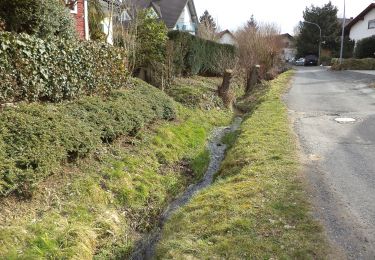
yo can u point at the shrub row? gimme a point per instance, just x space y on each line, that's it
34 69
365 48
354 64
36 139
193 55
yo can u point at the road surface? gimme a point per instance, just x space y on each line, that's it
339 158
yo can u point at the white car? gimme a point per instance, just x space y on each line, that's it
300 62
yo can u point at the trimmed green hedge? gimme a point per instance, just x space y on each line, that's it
193 55
34 69
354 64
36 139
365 48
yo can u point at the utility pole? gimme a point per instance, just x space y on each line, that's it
320 38
342 34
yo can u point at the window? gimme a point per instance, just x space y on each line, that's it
371 24
72 5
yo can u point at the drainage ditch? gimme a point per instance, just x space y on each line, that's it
145 249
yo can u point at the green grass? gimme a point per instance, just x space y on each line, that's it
257 208
98 207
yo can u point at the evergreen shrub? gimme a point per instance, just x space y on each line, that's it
54 69
365 48
41 18
193 55
37 139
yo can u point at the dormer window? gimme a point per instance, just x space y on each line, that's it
72 5
371 24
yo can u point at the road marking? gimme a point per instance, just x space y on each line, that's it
345 120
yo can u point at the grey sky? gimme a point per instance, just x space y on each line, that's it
286 13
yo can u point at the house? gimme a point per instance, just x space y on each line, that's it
80 12
177 14
363 25
288 44
226 37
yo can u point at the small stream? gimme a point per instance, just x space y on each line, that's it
145 249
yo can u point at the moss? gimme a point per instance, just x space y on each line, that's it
256 208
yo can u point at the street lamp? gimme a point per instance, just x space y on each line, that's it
320 37
342 35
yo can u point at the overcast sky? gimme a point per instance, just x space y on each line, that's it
285 13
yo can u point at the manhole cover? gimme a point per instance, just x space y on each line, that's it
345 120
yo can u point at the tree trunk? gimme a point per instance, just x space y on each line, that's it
252 79
224 88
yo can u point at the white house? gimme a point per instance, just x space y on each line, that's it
363 25
289 49
177 14
226 37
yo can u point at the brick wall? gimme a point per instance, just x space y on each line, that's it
80 19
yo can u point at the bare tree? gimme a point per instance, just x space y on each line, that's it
258 45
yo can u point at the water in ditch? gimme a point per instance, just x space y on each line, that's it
145 249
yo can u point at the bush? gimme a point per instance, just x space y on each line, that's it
192 55
151 39
365 48
354 64
36 139
326 60
41 18
33 69
124 112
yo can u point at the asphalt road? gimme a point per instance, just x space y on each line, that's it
339 158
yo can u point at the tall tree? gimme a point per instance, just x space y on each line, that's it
207 28
252 23
326 18
207 20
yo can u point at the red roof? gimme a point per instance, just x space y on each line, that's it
360 17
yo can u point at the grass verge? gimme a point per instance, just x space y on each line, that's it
257 208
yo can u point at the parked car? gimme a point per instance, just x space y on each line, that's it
300 62
311 60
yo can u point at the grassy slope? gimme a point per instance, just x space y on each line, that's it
257 208
99 207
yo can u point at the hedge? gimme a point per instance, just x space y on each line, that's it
193 55
34 69
354 64
365 48
38 17
37 139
